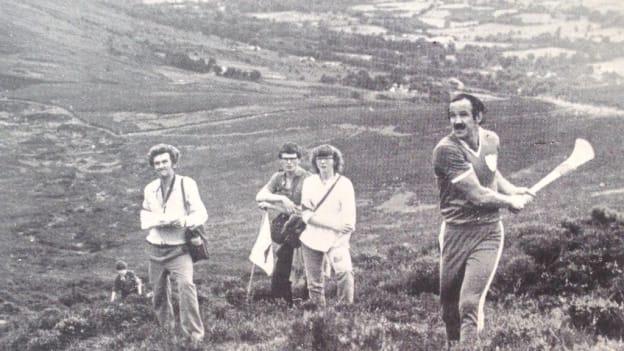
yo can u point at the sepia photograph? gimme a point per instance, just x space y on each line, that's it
294 175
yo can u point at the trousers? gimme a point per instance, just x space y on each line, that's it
340 260
280 280
468 261
181 268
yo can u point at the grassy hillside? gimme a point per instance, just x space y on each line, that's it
84 95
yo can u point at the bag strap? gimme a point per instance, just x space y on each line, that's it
327 193
184 196
186 207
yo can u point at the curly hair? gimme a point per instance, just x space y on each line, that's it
328 150
160 149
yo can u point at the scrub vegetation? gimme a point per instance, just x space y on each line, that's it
79 110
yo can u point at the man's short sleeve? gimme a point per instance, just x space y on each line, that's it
450 163
274 183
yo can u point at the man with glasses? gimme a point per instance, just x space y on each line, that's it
283 192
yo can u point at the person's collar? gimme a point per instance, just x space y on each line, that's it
300 171
479 142
160 182
330 180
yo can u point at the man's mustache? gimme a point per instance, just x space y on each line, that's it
459 126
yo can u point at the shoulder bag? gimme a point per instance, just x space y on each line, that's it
197 252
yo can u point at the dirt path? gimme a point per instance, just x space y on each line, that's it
239 118
70 113
592 110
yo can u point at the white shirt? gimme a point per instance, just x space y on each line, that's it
338 207
154 209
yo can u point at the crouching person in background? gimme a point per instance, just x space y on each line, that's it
166 217
283 193
328 202
126 282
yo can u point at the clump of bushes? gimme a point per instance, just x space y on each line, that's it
118 317
48 318
236 297
521 330
575 258
597 315
606 216
44 340
74 297
39 334
75 327
516 274
421 277
329 330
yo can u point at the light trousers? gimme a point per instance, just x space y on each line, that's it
181 268
339 258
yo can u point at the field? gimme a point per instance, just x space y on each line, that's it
75 130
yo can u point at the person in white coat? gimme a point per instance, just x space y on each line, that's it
165 216
329 227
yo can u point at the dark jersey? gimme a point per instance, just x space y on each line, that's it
453 160
127 284
277 185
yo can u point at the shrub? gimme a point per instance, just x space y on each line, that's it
9 308
44 340
328 330
220 310
423 277
522 328
598 315
74 327
577 257
74 297
48 318
220 332
248 332
616 290
605 216
516 275
415 337
328 79
236 297
222 286
117 317
367 261
544 248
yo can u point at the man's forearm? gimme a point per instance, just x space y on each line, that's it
505 186
319 221
265 195
489 198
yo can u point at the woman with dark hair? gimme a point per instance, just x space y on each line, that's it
328 202
283 192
